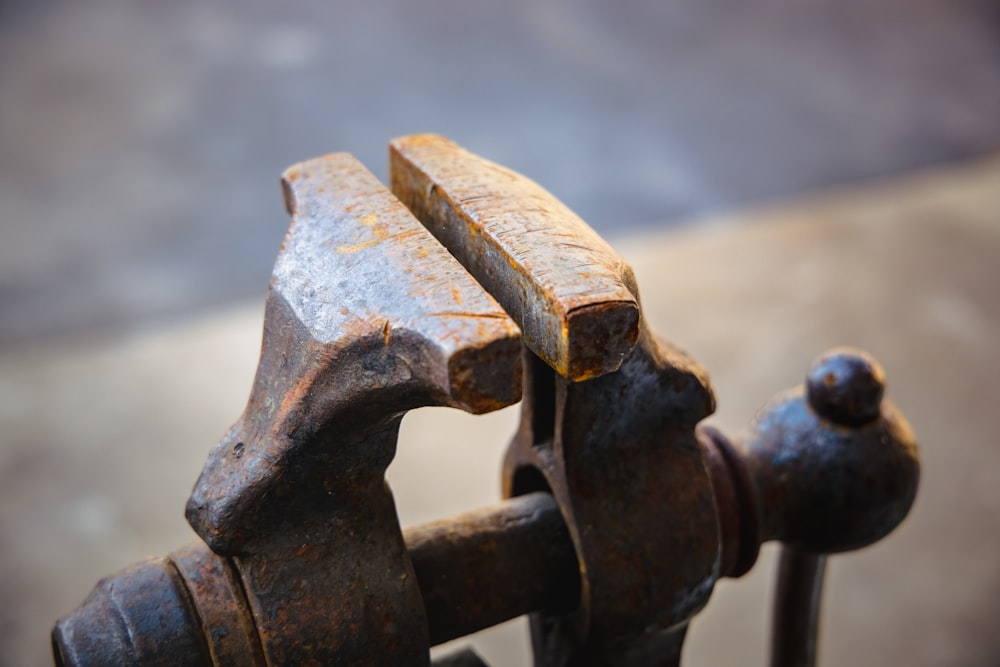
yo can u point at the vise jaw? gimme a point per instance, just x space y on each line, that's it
468 285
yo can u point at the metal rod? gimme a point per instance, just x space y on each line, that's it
796 608
494 564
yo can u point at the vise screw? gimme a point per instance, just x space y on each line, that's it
468 285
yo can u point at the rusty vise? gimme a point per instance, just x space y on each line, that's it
468 285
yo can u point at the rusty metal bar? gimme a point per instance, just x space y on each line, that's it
574 297
494 564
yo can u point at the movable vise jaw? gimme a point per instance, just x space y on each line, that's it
469 285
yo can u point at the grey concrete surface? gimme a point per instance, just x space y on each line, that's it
103 439
140 142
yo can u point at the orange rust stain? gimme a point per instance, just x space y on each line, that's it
491 316
355 247
379 232
456 294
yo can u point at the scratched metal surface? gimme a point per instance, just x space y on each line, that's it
354 328
367 317
574 296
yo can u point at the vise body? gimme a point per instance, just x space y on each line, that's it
467 285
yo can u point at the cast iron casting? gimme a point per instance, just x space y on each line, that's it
468 285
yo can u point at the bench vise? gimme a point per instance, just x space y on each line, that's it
468 285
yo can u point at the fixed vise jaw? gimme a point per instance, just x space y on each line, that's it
467 286
296 492
367 317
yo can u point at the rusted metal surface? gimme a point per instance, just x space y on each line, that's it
367 318
828 467
486 567
574 297
835 466
139 616
735 500
473 571
611 469
214 588
622 511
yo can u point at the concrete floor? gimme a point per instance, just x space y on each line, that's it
140 145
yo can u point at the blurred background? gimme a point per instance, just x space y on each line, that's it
140 148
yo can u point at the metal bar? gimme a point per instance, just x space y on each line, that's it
796 608
574 297
494 564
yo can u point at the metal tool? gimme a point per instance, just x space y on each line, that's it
621 512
